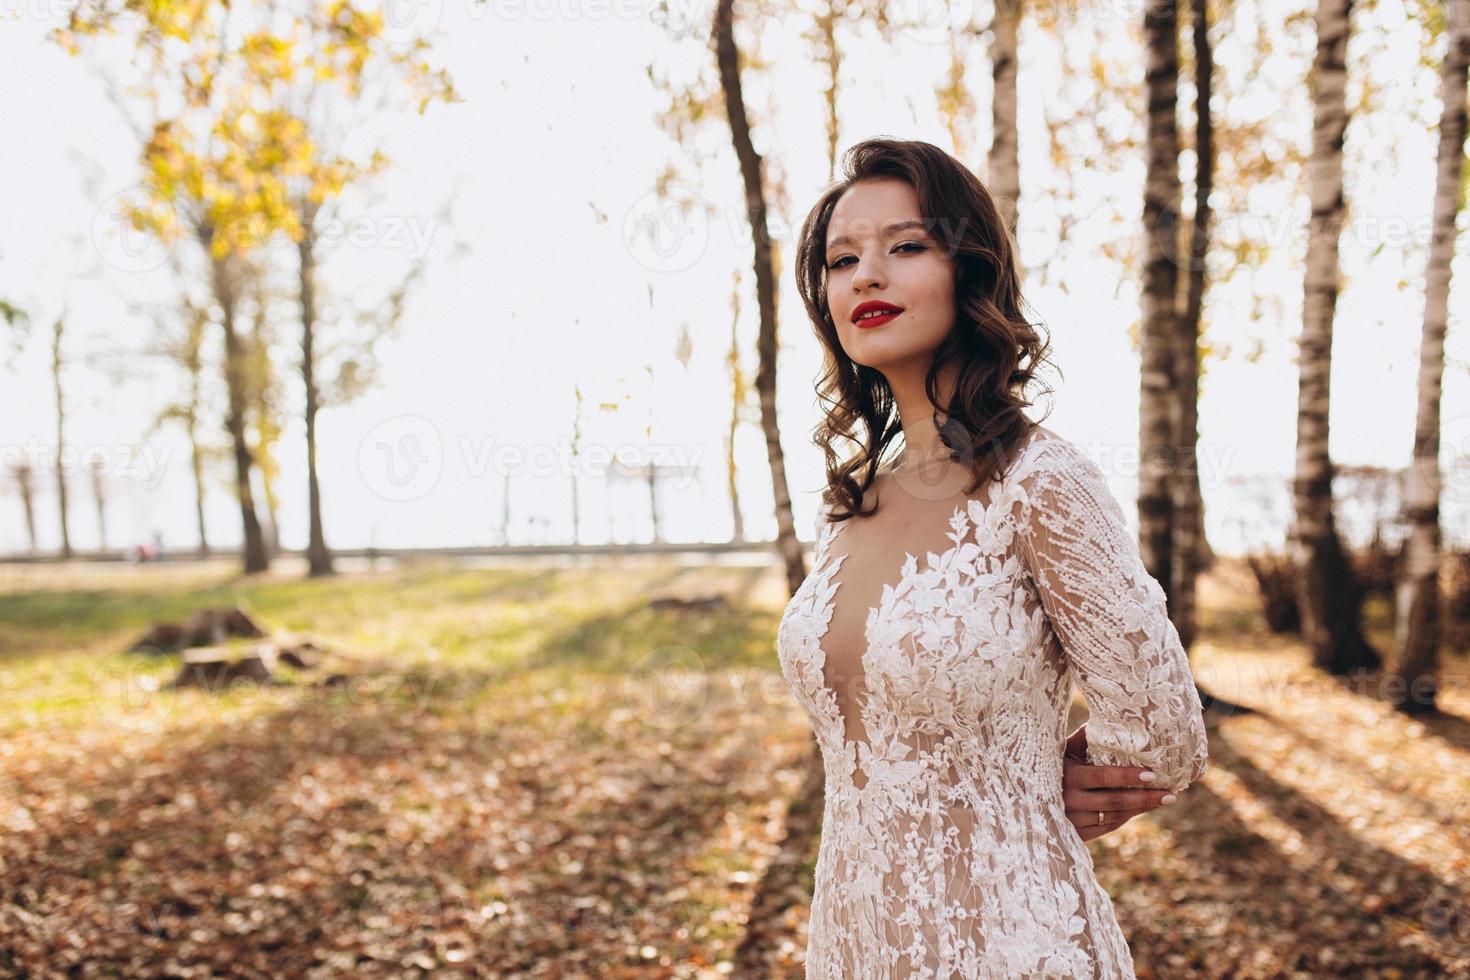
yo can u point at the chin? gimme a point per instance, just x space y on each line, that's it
876 353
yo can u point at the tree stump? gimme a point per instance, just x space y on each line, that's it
161 638
208 627
204 627
216 668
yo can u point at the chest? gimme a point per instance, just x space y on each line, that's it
916 624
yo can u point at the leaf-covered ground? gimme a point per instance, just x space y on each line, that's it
547 778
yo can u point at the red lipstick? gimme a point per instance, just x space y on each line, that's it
884 313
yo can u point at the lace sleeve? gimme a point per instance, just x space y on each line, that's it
1111 618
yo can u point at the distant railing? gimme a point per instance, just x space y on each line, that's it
467 551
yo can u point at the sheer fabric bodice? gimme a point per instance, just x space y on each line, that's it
938 693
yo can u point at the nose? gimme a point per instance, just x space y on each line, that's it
868 274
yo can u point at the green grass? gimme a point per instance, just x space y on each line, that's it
451 633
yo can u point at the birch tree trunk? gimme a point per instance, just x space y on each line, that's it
1157 436
1188 530
1005 167
1419 599
1330 601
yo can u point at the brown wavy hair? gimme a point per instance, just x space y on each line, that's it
996 349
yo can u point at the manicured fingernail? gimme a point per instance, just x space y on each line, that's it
1168 798
1147 776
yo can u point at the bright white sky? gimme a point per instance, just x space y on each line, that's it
556 131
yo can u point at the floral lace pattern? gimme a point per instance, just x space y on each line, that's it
953 856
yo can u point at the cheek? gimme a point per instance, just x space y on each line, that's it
839 305
938 291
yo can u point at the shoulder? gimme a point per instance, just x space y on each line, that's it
1056 476
1047 457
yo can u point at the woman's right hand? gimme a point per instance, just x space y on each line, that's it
1117 792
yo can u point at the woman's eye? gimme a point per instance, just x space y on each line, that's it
837 264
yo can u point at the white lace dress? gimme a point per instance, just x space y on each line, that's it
945 849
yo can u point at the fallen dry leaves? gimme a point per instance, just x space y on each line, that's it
574 821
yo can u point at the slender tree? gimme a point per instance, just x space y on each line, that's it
177 342
58 364
826 49
1005 164
24 478
1157 434
728 57
328 120
1419 596
189 411
17 322
99 496
266 399
318 556
1327 592
1188 504
739 400
576 453
227 280
304 217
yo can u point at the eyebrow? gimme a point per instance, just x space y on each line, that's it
896 226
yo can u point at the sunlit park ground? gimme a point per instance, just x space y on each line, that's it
531 771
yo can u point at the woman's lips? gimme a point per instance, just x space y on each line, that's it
876 321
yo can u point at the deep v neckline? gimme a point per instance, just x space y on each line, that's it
852 749
890 588
829 565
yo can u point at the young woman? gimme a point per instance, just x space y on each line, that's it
938 687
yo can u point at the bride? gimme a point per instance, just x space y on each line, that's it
935 643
